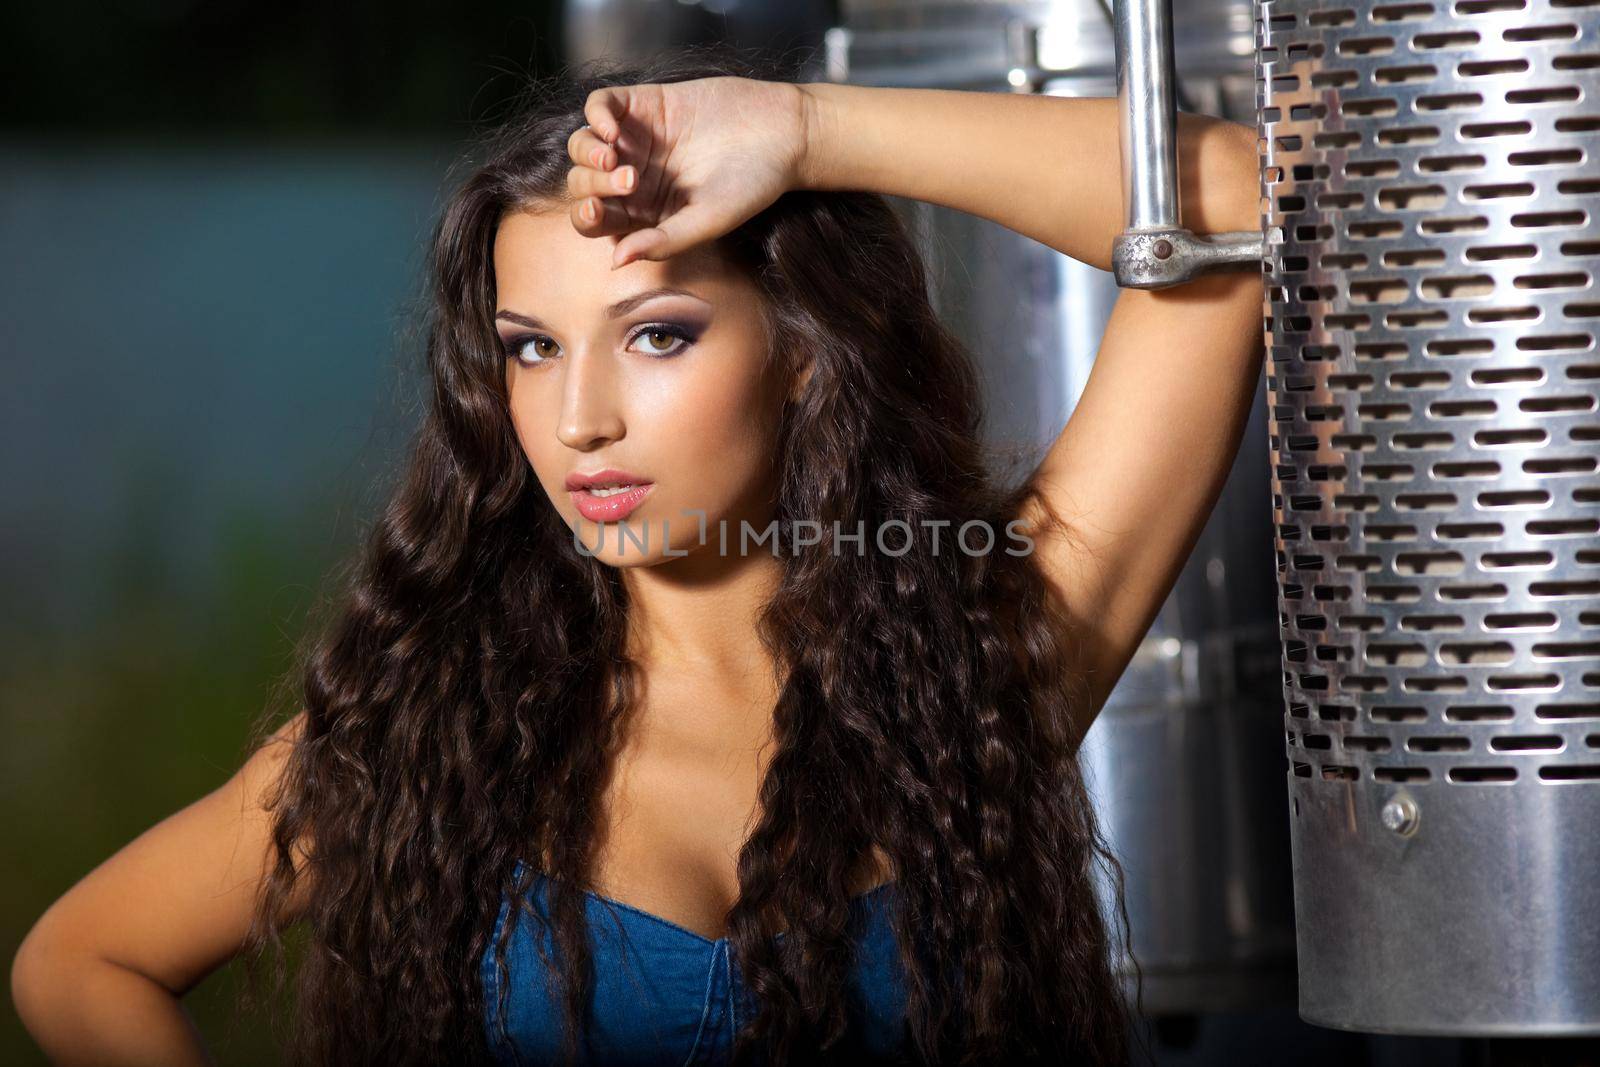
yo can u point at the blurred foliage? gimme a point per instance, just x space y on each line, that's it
145 711
175 66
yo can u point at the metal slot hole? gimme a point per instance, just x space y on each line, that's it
1412 197
1495 129
1449 102
1478 68
1520 682
1445 164
1516 561
1419 72
1545 157
1571 772
1567 711
1464 409
1336 712
1391 533
1564 528
1393 594
1401 774
1524 313
1460 346
1401 12
1413 257
1483 774
1319 741
1433 623
1490 591
1484 7
1438 744
1557 650
1374 229
1414 320
1396 655
1489 253
1508 376
1470 531
1554 342
1409 135
1397 713
1524 436
1560 464
1339 772
1332 17
1531 620
1529 220
1371 168
1566 280
1380 290
1386 472
1457 287
1497 191
1424 442
1477 654
1513 499
1457 39
1364 683
1580 61
1334 79
1527 743
1453 683
1593 740
1429 563
1477 713
1367 744
1365 46
1301 770
1566 31
1550 590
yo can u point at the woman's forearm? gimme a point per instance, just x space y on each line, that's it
1048 167
82 1011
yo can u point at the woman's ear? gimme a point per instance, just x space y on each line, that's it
801 380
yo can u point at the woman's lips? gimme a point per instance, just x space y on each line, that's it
612 508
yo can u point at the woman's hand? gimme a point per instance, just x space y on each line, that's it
666 166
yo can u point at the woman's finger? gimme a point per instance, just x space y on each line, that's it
593 217
586 181
673 234
603 110
587 150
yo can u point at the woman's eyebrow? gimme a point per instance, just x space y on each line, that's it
617 310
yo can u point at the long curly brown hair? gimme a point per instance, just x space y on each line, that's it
466 697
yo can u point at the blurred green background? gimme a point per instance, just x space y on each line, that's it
214 218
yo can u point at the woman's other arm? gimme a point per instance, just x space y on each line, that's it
100 977
1143 457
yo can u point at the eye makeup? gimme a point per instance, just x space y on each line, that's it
515 346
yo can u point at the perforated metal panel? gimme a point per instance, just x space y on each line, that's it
1431 181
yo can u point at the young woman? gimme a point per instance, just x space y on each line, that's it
718 786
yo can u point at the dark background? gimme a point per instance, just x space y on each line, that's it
213 217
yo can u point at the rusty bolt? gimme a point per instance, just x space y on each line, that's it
1162 248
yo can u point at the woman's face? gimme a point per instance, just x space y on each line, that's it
673 389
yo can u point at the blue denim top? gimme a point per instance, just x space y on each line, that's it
667 995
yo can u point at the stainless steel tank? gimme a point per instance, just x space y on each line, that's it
1432 201
1186 766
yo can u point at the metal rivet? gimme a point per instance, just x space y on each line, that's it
1162 248
1400 814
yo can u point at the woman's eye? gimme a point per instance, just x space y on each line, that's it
527 350
660 340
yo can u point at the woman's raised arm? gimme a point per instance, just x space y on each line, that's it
100 977
1143 457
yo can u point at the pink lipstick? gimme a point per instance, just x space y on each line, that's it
607 495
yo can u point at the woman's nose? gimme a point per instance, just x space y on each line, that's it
589 413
